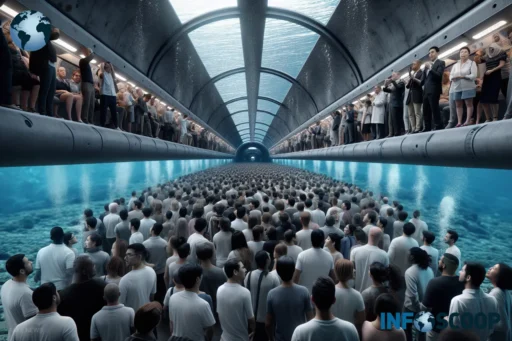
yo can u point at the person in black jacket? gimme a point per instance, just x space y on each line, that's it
336 121
42 64
349 128
432 88
396 110
415 97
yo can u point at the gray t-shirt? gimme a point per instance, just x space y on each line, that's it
100 260
122 230
222 242
172 270
17 303
293 251
156 248
213 278
304 238
369 296
288 306
313 263
268 283
234 307
46 327
112 323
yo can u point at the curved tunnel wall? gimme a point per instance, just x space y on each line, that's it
243 151
32 139
483 146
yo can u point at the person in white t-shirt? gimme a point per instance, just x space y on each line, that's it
304 236
325 326
451 238
314 262
15 294
138 286
364 256
110 221
349 305
47 325
428 239
293 250
234 305
197 238
54 263
190 316
420 226
108 91
114 322
146 223
400 247
136 236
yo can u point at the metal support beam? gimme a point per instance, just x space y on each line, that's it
285 124
252 24
31 140
482 146
280 133
270 71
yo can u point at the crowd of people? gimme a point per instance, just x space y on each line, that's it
251 252
431 96
34 82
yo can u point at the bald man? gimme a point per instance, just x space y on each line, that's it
114 322
365 255
110 221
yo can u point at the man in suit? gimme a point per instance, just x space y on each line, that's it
432 88
396 103
415 97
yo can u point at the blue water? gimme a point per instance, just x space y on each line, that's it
474 202
37 198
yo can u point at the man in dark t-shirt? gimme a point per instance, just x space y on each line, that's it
87 86
441 290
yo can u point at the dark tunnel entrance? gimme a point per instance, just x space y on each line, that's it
252 152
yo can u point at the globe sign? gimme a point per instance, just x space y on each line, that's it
424 321
30 30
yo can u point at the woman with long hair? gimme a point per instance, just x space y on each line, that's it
380 274
417 277
371 330
63 92
172 250
119 248
240 250
500 276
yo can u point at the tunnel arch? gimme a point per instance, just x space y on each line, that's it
256 149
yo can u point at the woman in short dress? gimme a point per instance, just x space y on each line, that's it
463 88
494 60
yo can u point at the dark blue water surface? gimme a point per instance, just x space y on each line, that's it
474 202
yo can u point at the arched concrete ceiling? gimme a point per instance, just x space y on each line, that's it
349 42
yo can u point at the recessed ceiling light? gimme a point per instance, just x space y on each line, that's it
489 29
65 45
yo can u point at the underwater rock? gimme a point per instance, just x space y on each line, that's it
26 223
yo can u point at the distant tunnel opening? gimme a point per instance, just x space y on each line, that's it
252 152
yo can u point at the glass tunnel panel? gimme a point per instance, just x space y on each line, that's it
237 106
260 126
268 106
219 45
240 118
243 126
286 46
264 118
186 9
232 87
320 10
273 87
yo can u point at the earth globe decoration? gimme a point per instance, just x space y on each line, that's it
424 321
30 30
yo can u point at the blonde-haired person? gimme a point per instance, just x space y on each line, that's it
63 92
